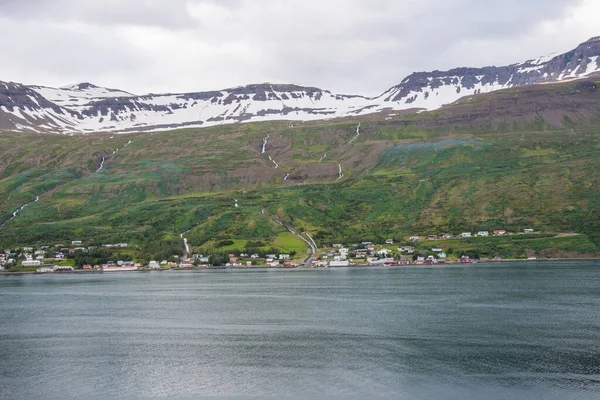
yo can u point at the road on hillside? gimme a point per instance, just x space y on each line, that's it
311 243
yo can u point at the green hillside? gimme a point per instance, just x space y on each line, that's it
510 160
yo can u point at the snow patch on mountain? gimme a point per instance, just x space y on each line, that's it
87 108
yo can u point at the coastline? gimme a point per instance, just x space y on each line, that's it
262 267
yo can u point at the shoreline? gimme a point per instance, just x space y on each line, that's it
261 267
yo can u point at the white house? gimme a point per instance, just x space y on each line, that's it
466 234
153 265
344 253
29 262
414 238
528 230
483 233
389 241
284 256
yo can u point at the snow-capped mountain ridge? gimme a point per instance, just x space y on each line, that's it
85 107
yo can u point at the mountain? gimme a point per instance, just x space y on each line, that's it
516 158
86 108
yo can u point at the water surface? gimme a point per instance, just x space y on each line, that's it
503 331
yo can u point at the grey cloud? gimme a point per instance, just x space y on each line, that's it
169 14
350 46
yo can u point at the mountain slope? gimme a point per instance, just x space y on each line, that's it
516 158
86 108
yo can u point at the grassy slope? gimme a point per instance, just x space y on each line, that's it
511 160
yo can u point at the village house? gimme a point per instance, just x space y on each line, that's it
153 265
360 253
466 235
344 253
29 262
448 236
284 256
528 230
389 241
414 238
432 237
499 232
437 250
407 249
483 233
254 256
76 242
337 246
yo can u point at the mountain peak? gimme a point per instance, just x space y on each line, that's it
80 86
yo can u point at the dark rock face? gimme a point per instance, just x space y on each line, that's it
20 96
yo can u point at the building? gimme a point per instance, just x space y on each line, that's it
466 235
432 237
344 253
483 233
414 239
389 241
528 230
448 236
29 262
340 263
499 232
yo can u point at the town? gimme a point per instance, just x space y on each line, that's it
414 250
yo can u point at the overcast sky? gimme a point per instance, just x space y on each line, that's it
347 46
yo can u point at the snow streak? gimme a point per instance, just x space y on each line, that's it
357 134
113 153
264 147
37 198
324 156
276 165
101 165
340 173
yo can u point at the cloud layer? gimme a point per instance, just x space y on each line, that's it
348 46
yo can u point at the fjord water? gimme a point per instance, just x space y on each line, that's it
503 331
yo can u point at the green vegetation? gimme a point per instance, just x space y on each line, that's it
453 170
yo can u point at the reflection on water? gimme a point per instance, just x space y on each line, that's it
527 331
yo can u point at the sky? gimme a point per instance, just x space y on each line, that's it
346 46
